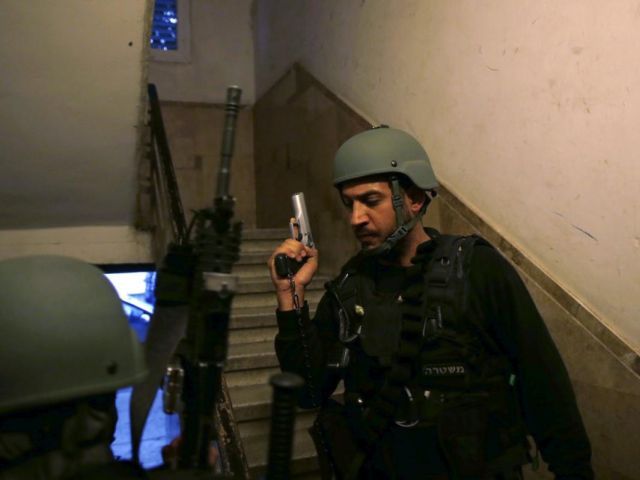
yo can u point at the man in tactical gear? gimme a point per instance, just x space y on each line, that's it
446 362
66 349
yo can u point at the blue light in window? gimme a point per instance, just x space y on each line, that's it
164 32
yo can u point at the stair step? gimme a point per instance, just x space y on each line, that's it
251 270
245 356
241 378
268 299
252 317
264 284
257 317
259 427
303 456
263 239
265 233
252 402
249 335
254 257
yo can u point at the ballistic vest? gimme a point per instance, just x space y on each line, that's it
417 360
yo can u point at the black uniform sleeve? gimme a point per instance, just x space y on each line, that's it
550 411
302 346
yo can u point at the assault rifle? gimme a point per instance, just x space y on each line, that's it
194 291
204 349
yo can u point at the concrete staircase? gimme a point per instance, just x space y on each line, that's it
252 359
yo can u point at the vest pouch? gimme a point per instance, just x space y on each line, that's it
462 433
338 356
381 326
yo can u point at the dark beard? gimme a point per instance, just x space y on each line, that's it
392 256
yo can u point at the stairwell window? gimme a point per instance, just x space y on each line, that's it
170 31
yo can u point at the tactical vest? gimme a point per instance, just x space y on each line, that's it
415 358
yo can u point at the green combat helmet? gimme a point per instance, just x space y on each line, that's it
64 333
386 151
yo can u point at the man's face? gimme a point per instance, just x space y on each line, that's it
370 210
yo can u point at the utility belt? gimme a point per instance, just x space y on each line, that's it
423 407
473 443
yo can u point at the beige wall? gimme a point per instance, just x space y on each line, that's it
194 132
527 108
221 55
70 108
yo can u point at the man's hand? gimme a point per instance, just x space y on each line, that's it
301 253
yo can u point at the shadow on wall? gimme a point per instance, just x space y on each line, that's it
298 127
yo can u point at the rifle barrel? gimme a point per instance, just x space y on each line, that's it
232 106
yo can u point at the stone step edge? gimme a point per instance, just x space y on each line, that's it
264 285
265 233
303 459
260 355
263 401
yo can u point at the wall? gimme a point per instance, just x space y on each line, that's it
298 122
221 55
70 108
194 132
527 108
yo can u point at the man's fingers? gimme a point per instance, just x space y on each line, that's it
294 228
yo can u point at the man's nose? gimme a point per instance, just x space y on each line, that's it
358 215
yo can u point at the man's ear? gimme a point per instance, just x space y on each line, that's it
416 197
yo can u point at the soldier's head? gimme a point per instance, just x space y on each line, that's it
65 348
385 180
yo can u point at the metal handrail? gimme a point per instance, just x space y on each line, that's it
162 165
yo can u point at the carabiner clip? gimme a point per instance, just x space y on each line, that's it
406 423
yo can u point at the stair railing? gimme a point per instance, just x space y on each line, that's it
165 192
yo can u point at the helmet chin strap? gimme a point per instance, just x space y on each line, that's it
403 226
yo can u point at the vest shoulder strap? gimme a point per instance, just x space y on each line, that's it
445 280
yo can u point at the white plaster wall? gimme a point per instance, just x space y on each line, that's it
71 83
528 108
221 55
93 244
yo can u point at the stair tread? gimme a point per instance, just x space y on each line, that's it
251 395
265 233
250 257
264 284
303 456
246 312
250 349
259 394
242 312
